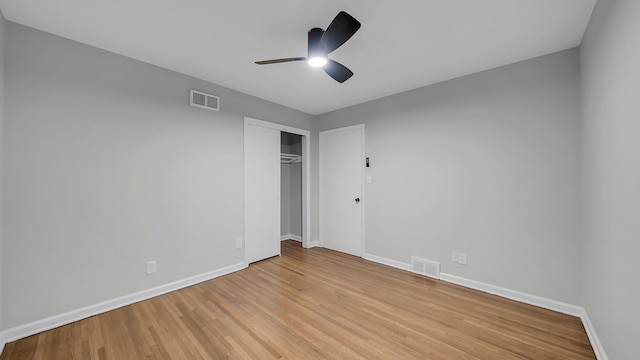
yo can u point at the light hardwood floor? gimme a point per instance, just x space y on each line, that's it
316 304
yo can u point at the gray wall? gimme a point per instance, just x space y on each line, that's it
611 91
488 165
108 167
2 26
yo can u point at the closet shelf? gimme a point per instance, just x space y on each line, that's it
289 158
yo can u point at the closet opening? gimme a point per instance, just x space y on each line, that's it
290 186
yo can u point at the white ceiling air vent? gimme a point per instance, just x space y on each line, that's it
425 267
205 101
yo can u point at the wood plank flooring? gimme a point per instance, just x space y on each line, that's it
316 304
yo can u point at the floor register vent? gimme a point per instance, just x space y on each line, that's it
204 100
425 267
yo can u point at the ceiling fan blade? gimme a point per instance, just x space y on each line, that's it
337 71
339 31
276 61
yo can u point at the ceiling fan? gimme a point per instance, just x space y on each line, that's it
322 42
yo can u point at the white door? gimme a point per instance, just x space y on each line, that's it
262 192
341 203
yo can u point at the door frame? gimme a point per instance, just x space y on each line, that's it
306 173
363 200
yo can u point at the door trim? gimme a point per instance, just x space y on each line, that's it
306 172
362 187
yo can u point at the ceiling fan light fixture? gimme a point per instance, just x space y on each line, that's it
321 43
317 61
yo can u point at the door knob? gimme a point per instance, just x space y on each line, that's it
357 200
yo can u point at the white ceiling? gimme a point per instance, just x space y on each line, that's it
402 45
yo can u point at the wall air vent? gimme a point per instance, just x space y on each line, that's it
425 267
204 101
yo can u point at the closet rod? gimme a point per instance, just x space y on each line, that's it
289 158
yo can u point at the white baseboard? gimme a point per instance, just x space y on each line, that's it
313 244
38 326
593 337
534 300
384 261
291 237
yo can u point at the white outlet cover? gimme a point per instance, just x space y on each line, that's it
462 259
239 243
151 267
455 257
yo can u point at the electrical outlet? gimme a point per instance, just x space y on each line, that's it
459 258
151 267
239 243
